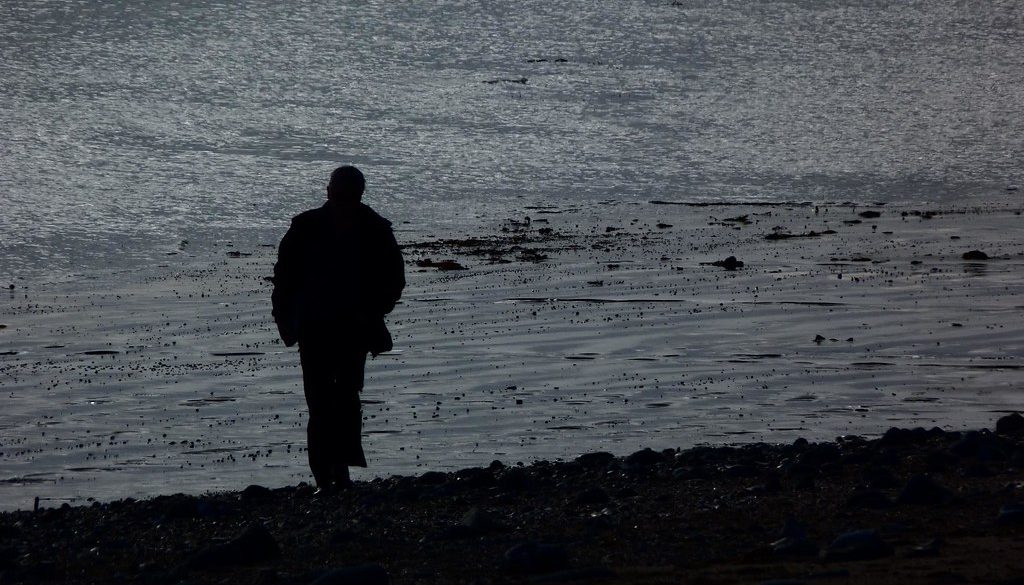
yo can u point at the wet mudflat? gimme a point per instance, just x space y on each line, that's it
560 331
914 506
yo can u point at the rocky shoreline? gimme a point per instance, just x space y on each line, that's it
914 506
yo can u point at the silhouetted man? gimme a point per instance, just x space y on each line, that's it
338 272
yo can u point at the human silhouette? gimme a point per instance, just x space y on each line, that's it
339 271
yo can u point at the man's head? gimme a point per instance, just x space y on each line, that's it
346 185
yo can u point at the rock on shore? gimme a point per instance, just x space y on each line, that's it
851 509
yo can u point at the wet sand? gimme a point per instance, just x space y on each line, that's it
576 330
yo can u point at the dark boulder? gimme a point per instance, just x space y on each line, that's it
730 263
474 477
1011 424
255 492
514 479
859 545
896 436
597 459
592 496
475 522
433 478
532 558
576 575
255 545
645 458
355 575
869 499
922 490
1011 515
880 478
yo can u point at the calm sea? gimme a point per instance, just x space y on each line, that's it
130 129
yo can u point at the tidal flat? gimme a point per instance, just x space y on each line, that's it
562 330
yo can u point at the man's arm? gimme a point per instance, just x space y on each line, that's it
392 273
285 285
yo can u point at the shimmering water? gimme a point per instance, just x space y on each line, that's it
129 127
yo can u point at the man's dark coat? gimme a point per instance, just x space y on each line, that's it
339 271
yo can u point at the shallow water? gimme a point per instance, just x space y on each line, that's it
172 379
130 130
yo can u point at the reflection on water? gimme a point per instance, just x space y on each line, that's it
129 127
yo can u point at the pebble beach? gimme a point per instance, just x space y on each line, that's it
918 506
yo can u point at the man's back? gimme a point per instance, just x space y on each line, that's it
337 267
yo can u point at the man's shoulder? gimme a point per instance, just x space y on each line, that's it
372 218
310 216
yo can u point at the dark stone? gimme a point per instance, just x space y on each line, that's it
443 265
928 549
531 558
176 506
939 461
975 255
945 577
792 546
474 477
741 470
804 482
592 496
597 459
869 499
433 478
480 521
772 484
644 458
983 445
829 574
793 528
922 490
896 436
686 473
355 575
819 454
514 479
967 445
1011 514
342 535
626 493
8 558
977 470
1016 458
1011 424
859 545
603 520
267 576
730 263
575 575
253 546
870 214
255 492
880 478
